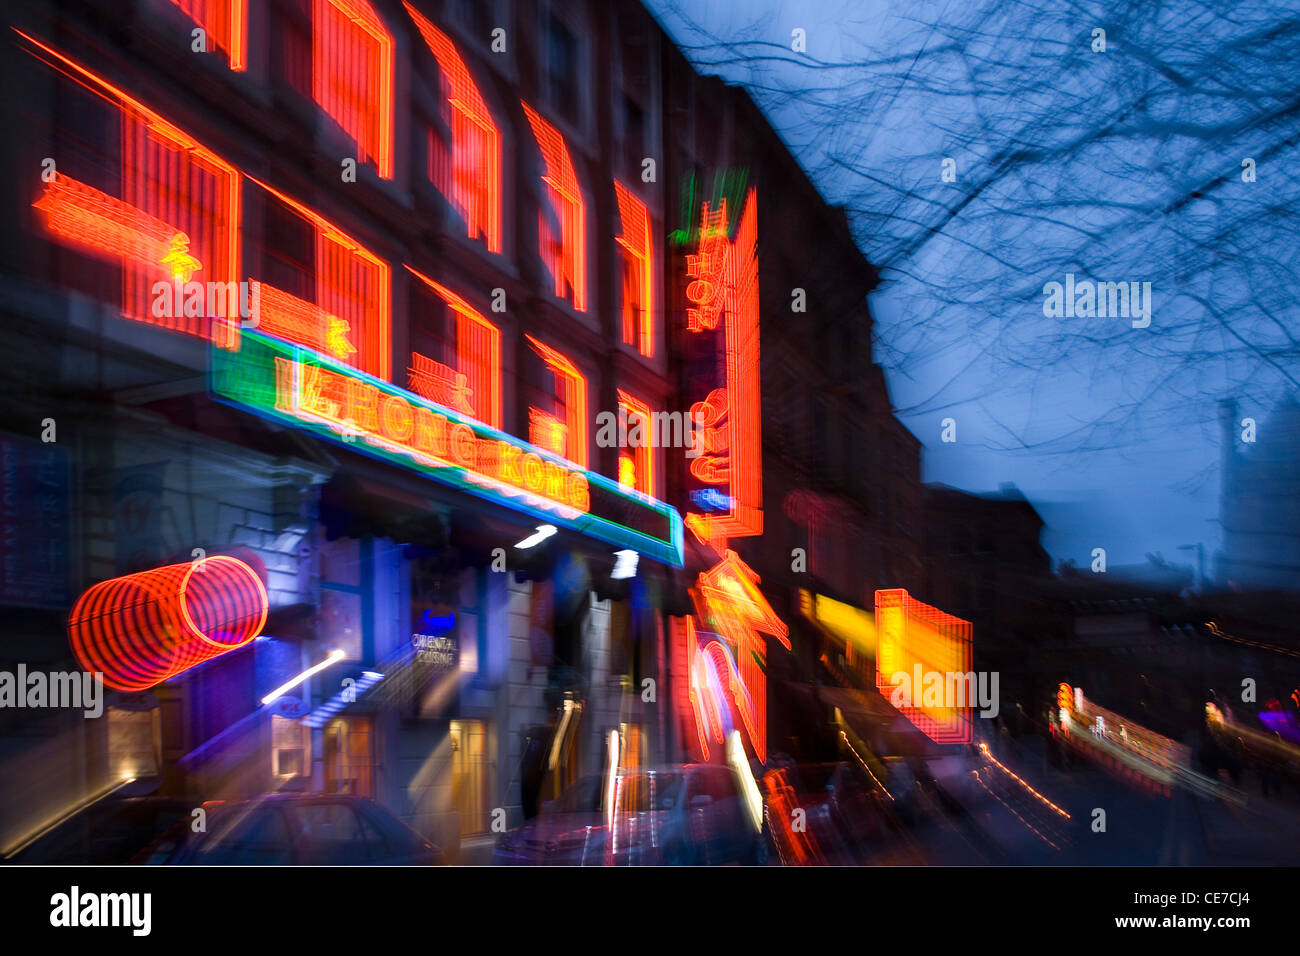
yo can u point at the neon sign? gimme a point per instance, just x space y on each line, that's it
912 636
143 628
724 291
293 384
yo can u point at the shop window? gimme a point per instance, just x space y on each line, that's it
636 265
290 748
561 235
470 775
352 76
467 168
349 757
134 742
561 428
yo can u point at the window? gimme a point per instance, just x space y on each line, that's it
637 268
259 838
320 288
468 169
564 424
352 76
226 24
638 472
455 352
330 834
175 217
561 237
563 88
633 132
290 747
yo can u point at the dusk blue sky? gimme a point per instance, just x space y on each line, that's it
1148 480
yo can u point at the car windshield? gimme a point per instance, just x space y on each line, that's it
585 796
649 790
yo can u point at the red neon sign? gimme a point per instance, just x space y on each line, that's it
352 76
726 290
143 628
475 187
727 596
565 255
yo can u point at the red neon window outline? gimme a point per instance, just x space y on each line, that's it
574 396
478 354
352 76
565 257
642 457
352 307
475 187
638 291
170 182
225 22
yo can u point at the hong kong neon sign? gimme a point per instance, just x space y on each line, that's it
308 389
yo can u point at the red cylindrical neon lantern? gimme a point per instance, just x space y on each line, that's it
143 628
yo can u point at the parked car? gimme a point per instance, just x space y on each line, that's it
686 814
568 831
106 833
294 830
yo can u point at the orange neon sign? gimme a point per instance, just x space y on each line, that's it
175 191
728 598
922 643
362 410
566 254
350 319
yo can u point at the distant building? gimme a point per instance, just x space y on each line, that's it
1260 500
